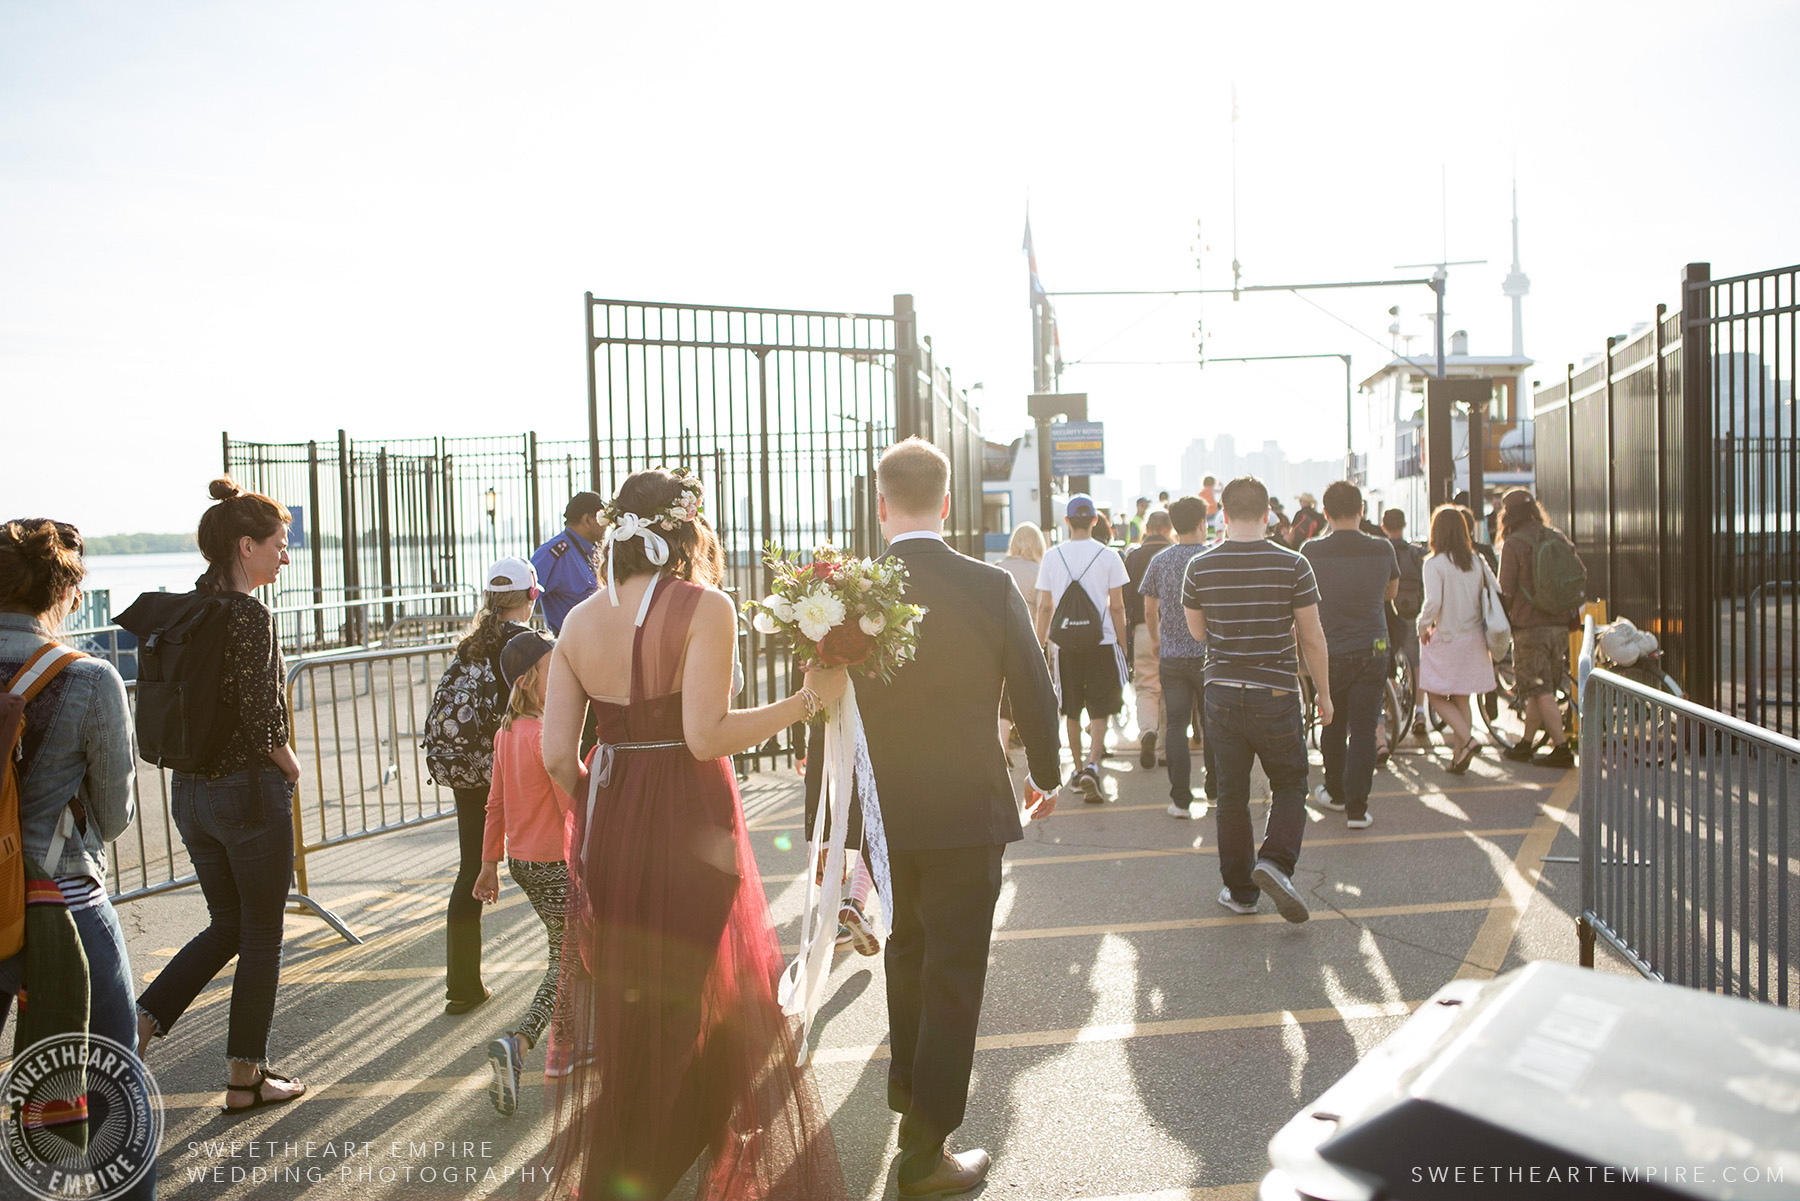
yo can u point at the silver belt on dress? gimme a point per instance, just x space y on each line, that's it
605 752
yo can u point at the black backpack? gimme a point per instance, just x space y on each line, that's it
180 679
1076 623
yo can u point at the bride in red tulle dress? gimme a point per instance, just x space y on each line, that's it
672 957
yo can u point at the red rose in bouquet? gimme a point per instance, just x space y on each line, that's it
823 569
845 645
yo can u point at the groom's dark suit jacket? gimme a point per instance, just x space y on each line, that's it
933 731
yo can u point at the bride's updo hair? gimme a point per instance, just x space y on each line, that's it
694 552
40 560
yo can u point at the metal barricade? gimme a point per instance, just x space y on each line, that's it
149 857
1688 840
404 614
359 741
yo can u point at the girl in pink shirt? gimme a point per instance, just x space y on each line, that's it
528 821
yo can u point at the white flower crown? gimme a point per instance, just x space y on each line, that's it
688 504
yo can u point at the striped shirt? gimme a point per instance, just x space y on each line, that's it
1249 592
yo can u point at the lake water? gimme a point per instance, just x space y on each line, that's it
127 575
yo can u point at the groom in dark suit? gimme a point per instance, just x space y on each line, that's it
948 805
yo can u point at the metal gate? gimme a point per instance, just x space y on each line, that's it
1674 463
783 413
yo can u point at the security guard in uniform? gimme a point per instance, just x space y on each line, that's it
566 563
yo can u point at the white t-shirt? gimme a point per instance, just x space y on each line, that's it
1099 569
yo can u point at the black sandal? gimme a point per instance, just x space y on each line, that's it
263 1076
1464 757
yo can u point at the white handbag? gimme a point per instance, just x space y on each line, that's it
1493 615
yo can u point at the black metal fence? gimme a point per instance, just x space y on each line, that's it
783 413
409 522
1690 825
1674 463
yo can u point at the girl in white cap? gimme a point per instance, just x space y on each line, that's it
459 753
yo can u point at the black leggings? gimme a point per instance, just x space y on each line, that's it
462 919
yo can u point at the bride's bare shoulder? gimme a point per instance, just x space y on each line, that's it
714 605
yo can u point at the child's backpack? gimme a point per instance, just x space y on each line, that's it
180 681
459 726
31 679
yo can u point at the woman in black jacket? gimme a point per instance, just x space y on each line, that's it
236 817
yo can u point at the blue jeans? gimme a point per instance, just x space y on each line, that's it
110 1009
1244 724
1357 682
240 835
1183 684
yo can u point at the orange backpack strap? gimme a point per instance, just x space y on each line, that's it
43 666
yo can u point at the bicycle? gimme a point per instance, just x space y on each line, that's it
1392 725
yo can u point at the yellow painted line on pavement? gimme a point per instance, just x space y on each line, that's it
1256 919
1487 954
358 1090
1263 919
318 970
1139 853
1087 810
1125 1031
1218 1192
763 820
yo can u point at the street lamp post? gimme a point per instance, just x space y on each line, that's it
492 501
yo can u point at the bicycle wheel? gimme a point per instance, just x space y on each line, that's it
1406 691
1500 710
1394 715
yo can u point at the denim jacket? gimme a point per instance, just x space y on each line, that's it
77 746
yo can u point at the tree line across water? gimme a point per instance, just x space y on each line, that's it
140 544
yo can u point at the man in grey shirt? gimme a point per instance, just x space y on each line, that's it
1178 656
1357 574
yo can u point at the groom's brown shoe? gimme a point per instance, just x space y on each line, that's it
954 1174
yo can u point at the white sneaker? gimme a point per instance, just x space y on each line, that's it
1360 823
1325 800
1278 887
1236 906
1184 812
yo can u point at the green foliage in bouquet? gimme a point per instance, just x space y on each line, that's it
840 610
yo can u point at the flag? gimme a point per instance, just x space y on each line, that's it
1041 297
1037 285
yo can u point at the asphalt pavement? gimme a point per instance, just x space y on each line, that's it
1137 1041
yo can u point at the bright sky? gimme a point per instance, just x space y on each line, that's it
284 218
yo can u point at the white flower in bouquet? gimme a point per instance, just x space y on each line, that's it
817 612
872 623
780 607
865 584
764 624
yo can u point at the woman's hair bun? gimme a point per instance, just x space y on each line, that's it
224 488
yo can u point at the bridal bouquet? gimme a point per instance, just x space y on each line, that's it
840 611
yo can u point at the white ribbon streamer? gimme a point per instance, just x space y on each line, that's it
847 773
630 525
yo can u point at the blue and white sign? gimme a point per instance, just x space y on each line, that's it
1078 448
297 527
